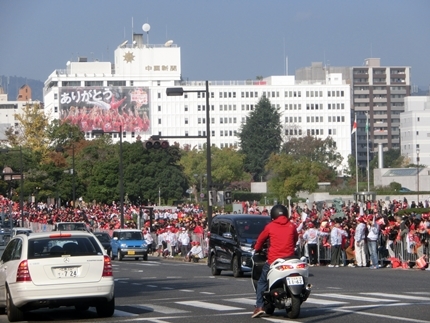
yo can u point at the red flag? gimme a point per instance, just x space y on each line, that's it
354 126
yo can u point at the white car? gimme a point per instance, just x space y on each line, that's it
53 269
19 230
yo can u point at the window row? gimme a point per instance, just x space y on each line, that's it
227 133
336 119
293 119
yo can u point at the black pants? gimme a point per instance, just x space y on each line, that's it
313 253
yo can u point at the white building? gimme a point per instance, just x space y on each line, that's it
415 131
9 109
132 93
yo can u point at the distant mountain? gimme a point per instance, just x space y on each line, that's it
11 85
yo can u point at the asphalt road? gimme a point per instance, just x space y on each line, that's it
163 291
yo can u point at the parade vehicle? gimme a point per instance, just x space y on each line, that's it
128 243
54 269
287 281
230 241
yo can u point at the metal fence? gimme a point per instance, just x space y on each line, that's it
403 249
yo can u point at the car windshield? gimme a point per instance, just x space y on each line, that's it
103 237
250 228
131 236
58 247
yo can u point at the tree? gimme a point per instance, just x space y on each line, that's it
316 150
32 130
291 175
259 137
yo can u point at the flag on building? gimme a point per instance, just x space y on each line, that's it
367 123
354 126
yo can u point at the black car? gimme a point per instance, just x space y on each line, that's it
104 239
231 237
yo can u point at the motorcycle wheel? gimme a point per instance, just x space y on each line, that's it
294 311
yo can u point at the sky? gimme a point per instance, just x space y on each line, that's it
219 39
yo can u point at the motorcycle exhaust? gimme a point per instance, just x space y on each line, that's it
309 287
307 292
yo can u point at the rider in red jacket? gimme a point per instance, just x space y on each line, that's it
282 235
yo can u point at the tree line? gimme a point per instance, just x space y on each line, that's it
57 160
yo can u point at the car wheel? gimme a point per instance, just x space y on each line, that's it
112 257
236 268
145 256
13 313
215 271
120 255
106 309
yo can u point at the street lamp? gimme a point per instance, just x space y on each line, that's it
179 91
418 176
121 171
21 183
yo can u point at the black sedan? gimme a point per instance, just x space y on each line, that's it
104 239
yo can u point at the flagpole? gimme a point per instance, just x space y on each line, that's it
356 157
368 171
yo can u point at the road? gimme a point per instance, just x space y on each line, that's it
163 291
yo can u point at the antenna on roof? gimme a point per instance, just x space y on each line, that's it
146 28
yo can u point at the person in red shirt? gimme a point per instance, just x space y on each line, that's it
283 237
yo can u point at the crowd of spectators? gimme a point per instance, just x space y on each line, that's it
399 236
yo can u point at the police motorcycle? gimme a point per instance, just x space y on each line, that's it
288 283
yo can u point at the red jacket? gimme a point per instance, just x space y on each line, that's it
283 238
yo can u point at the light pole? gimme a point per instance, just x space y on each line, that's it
289 205
418 176
179 91
121 171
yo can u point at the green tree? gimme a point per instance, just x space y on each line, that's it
290 175
260 136
316 150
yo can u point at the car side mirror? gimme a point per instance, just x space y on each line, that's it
227 235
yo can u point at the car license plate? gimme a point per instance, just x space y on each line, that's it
67 272
295 280
131 252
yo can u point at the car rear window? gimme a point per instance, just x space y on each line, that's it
251 228
58 247
71 226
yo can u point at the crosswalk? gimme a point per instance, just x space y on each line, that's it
244 305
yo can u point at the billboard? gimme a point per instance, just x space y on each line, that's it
106 108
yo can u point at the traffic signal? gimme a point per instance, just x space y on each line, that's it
212 197
156 144
227 197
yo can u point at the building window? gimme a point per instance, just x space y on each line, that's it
159 95
159 108
159 121
186 120
186 108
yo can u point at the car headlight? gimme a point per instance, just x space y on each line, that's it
144 246
245 248
123 245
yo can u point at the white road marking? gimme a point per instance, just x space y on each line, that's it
160 309
312 300
186 290
405 297
246 301
210 306
355 298
390 317
207 293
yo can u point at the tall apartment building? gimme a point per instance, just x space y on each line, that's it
132 92
377 93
